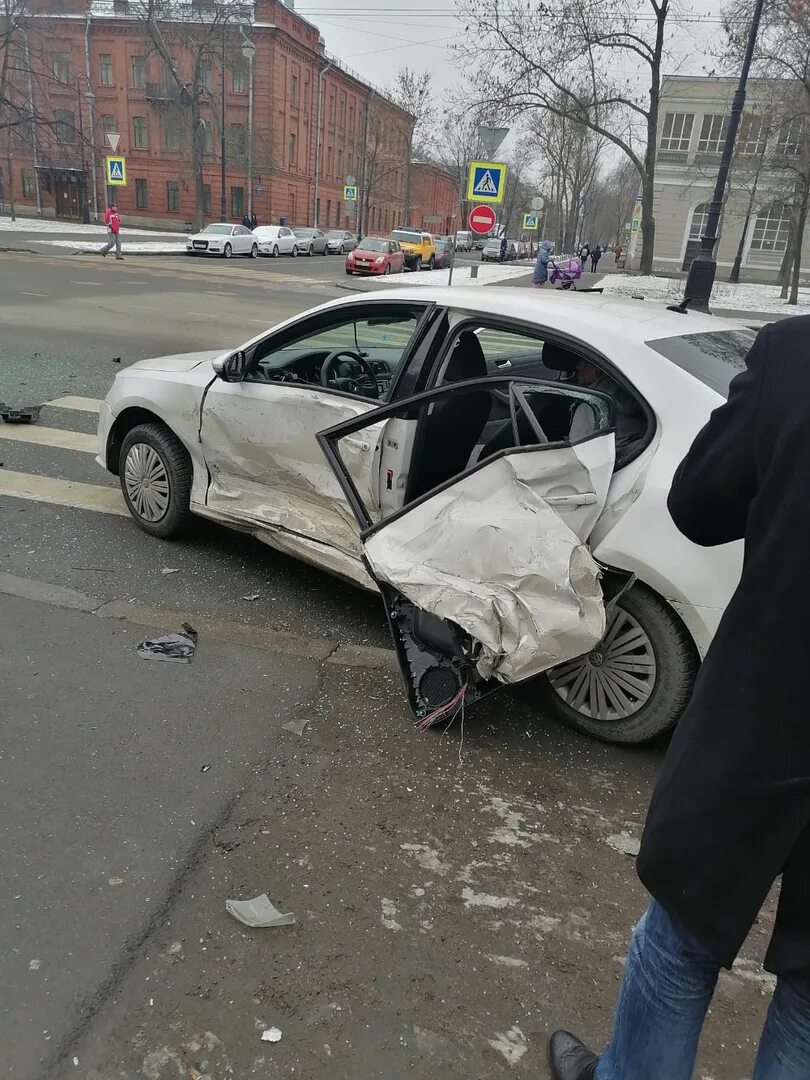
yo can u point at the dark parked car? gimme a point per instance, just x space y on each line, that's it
444 253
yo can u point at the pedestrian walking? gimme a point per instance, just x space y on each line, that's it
540 275
254 221
731 809
584 252
617 251
502 250
596 255
246 221
112 219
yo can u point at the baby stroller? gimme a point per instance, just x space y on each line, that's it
565 274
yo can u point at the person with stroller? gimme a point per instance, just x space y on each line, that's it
540 275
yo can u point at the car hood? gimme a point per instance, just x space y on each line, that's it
178 363
367 253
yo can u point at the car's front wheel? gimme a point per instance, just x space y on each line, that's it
387 268
275 251
294 251
635 683
227 251
432 263
254 251
311 250
155 473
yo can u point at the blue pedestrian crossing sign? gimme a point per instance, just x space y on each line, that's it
116 171
350 193
486 181
531 222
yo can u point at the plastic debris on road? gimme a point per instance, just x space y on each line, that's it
296 727
176 648
170 570
271 1034
26 414
253 596
258 912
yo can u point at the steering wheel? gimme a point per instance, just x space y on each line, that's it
351 385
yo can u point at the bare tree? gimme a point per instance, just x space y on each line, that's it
413 93
563 57
458 143
382 148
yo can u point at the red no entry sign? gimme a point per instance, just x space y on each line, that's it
482 219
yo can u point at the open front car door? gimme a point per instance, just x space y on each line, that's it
480 549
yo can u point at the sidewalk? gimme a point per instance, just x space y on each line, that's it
456 898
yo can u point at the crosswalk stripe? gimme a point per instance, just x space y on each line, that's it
50 489
81 404
47 436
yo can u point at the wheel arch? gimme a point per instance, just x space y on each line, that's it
126 420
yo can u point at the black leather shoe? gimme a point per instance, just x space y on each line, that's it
569 1058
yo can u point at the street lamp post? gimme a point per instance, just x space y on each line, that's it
89 97
701 275
249 52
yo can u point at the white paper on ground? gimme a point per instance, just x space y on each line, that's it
258 912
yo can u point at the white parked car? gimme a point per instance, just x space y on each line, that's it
496 461
275 240
224 240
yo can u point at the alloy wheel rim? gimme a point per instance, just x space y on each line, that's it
147 482
616 679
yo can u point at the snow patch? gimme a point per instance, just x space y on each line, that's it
137 248
507 961
741 297
389 910
753 972
427 858
477 899
624 842
511 1043
487 275
50 225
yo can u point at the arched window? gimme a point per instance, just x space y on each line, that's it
771 229
700 219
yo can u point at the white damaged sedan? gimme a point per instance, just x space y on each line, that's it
495 462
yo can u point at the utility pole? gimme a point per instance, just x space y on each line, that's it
317 171
89 96
249 52
702 272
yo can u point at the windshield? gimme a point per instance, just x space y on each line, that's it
220 230
408 236
336 233
714 358
303 232
369 243
266 230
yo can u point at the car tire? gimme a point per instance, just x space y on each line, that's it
432 263
664 644
227 251
275 251
387 269
152 450
350 272
294 252
254 251
311 251
325 251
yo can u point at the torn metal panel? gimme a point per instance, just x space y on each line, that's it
493 554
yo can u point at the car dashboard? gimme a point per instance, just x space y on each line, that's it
347 374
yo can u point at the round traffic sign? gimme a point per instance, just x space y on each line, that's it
538 203
482 219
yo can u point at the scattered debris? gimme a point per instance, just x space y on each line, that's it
26 414
205 768
625 843
271 1034
253 596
512 1044
116 359
115 881
170 570
258 912
389 910
296 726
176 648
34 965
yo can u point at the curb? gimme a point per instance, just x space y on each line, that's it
248 635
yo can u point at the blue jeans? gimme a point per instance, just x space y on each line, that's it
668 983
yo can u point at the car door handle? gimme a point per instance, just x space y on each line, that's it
585 498
356 444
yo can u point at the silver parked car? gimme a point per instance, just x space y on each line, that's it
275 240
310 241
340 241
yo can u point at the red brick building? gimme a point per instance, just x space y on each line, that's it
91 67
434 193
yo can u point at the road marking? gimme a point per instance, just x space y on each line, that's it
139 307
43 294
82 404
92 283
49 489
48 436
260 322
204 314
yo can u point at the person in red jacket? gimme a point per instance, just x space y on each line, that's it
112 219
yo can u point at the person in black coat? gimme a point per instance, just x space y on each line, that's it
596 255
731 810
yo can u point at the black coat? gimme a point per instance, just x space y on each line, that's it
731 810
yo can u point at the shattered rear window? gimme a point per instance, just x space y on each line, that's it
714 357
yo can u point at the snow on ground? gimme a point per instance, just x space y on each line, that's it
133 249
487 275
50 225
734 297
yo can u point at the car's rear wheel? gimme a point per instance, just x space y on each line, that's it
254 251
635 683
227 251
325 250
155 473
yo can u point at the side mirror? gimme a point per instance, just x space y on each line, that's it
231 368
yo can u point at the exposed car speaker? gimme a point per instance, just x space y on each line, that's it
437 686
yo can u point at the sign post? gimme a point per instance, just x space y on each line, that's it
482 220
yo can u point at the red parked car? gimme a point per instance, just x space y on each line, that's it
376 255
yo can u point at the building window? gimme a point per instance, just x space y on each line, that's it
750 139
239 78
337 213
208 139
206 75
141 194
238 140
206 198
677 131
105 69
139 71
700 219
340 164
351 119
108 123
306 97
771 229
294 91
172 195
28 186
61 67
790 137
330 161
140 133
328 211
17 59
292 150
237 202
342 111
172 134
712 133
64 126
331 108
